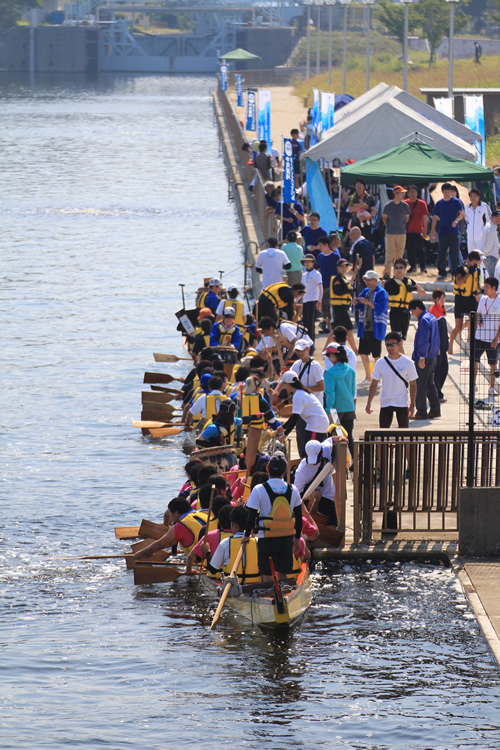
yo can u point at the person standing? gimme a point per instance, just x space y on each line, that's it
400 291
279 508
271 263
310 373
490 244
297 151
294 253
362 208
399 379
416 230
311 234
373 306
340 390
341 299
323 498
466 288
450 212
488 329
363 258
476 215
439 312
305 405
327 262
395 215
263 162
425 353
311 279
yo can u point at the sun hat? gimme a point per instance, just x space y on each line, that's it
398 189
309 256
228 312
371 275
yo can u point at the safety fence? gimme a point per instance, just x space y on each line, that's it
409 482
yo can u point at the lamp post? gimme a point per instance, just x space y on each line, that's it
318 3
346 4
330 4
368 4
308 57
450 48
406 3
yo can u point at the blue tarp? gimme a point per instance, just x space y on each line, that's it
319 197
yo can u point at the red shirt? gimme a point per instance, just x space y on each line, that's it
437 311
418 209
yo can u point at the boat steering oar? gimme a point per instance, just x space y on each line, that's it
227 587
278 594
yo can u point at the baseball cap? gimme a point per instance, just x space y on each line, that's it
277 464
371 275
215 282
204 312
313 449
232 288
289 377
301 344
398 189
228 312
495 213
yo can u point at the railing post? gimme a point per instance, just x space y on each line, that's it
340 481
472 350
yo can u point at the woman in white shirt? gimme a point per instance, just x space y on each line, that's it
313 282
304 405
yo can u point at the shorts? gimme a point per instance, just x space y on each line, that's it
399 321
387 413
370 345
341 317
325 304
464 306
280 548
485 346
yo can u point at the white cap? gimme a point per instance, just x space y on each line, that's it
371 275
313 449
228 312
301 344
289 377
232 288
214 282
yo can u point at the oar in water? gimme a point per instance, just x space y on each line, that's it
145 572
145 424
157 397
91 557
165 431
171 392
170 358
158 377
227 587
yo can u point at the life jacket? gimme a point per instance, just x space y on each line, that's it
194 520
206 336
201 297
213 404
237 306
248 569
401 300
226 335
250 407
271 293
226 434
341 299
193 495
218 575
469 285
281 521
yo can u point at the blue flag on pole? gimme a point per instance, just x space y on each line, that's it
223 70
239 91
316 121
265 116
251 119
288 172
331 111
319 197
474 119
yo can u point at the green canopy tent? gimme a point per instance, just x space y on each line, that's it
413 162
239 55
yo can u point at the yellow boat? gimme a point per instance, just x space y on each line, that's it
257 601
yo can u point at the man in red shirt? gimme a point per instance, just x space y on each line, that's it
416 230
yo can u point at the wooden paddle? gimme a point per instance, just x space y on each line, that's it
91 557
151 530
126 532
151 425
157 397
158 412
176 394
158 377
165 431
145 573
170 358
227 587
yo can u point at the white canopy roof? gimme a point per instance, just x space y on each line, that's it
383 122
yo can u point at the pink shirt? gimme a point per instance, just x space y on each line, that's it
308 529
213 539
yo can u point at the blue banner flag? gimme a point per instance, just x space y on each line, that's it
239 91
331 111
265 117
288 172
223 71
251 119
474 119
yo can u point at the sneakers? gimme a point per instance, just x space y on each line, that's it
492 391
365 381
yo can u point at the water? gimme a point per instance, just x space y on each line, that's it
111 195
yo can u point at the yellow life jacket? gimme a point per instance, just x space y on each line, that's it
281 521
237 306
226 433
213 404
271 293
341 299
226 334
469 285
218 575
194 520
401 300
250 407
200 299
248 569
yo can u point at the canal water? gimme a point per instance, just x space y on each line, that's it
112 194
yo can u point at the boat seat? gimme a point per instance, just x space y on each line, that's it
249 588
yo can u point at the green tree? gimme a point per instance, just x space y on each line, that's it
11 11
392 16
434 21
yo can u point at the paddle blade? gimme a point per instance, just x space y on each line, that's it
165 432
154 396
170 358
147 424
157 377
146 573
126 532
151 530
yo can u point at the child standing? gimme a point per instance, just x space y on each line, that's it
311 278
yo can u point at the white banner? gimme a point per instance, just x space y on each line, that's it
474 119
316 121
444 105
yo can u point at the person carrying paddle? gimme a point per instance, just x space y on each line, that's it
279 508
184 530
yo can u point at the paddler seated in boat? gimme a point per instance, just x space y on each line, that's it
323 497
213 297
185 528
226 333
219 430
224 556
192 468
202 339
279 509
207 405
239 306
256 411
203 551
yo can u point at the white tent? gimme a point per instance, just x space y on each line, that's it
383 92
377 126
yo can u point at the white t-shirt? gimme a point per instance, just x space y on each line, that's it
222 303
272 262
305 474
489 240
475 224
289 331
222 554
306 406
313 373
259 499
489 310
394 391
312 281
199 408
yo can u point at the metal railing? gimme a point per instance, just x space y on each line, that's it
408 482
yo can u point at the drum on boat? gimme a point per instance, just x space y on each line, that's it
223 457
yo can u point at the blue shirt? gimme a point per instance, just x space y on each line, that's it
212 301
235 336
328 266
448 212
426 343
287 225
311 236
